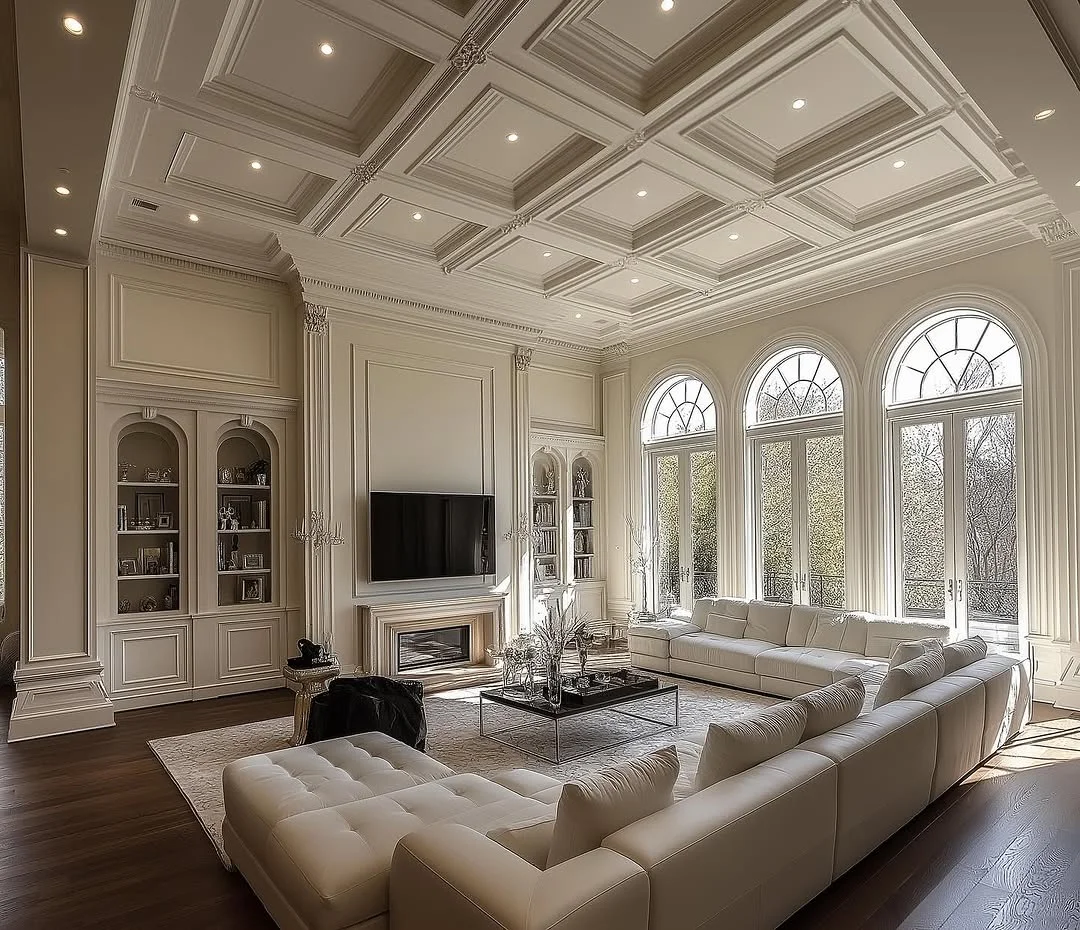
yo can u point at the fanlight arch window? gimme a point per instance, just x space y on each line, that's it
962 352
794 384
680 406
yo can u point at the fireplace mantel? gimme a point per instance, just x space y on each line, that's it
381 623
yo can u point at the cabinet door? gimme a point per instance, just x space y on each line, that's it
235 654
149 660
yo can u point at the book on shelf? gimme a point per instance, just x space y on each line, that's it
582 568
583 513
544 513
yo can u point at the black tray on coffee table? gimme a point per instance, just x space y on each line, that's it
618 684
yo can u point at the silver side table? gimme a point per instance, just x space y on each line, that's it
306 683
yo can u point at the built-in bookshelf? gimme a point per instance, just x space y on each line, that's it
149 516
546 520
582 520
245 531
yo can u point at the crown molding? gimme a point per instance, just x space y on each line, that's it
108 248
136 394
571 349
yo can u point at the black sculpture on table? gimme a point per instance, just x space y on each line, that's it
312 655
359 705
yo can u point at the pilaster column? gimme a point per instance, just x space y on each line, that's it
521 532
317 560
59 686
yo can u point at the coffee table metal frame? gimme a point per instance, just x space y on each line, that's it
541 708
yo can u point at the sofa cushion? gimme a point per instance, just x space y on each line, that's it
808 665
733 746
719 651
873 669
960 704
594 806
530 839
827 632
720 625
910 676
662 629
1008 697
733 607
262 790
333 865
855 625
832 706
800 625
964 653
883 634
768 622
905 652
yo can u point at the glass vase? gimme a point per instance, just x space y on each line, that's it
554 681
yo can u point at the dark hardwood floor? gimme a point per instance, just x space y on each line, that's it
93 834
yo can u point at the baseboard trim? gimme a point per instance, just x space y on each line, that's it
51 702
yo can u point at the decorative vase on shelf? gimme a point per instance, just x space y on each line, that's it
554 681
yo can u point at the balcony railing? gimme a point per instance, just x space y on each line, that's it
824 590
669 589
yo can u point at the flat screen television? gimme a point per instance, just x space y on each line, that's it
431 535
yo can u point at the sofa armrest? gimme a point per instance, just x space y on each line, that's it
663 629
451 877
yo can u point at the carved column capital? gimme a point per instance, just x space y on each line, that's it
523 358
315 319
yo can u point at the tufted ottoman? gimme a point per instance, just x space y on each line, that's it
313 829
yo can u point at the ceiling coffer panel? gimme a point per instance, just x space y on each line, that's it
344 99
503 152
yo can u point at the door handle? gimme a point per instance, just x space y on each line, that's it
804 581
949 589
959 589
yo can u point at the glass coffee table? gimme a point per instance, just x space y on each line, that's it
588 721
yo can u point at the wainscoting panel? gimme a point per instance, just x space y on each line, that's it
234 650
560 397
153 656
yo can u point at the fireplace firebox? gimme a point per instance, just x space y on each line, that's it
422 649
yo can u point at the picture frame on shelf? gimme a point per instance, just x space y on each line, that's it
241 507
128 567
252 561
164 521
250 590
148 555
148 504
153 474
225 475
152 567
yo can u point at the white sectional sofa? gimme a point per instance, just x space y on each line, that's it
773 648
365 833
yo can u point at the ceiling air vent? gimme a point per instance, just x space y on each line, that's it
144 204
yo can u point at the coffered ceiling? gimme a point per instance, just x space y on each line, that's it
591 171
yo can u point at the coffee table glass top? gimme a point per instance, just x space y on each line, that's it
620 690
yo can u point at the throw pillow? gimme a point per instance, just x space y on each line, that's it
725 626
741 743
905 652
594 806
530 839
917 673
827 632
961 654
828 708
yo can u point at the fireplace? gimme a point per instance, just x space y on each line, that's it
420 649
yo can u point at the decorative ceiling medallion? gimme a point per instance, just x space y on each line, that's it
636 141
150 96
468 55
629 260
750 206
365 173
518 221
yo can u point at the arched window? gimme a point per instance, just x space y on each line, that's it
679 407
795 433
953 407
678 430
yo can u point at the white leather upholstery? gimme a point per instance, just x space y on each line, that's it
768 622
961 711
1007 685
799 625
807 665
721 651
262 790
720 676
884 634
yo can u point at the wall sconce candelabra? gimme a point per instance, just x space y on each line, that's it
314 529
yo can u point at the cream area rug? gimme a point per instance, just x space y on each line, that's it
195 761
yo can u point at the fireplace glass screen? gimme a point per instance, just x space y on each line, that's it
427 648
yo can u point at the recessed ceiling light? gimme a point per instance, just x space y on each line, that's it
1077 184
60 232
798 104
418 215
512 137
72 25
257 165
643 193
194 217
1045 114
667 5
62 191
547 255
635 280
733 236
326 48
899 163
577 316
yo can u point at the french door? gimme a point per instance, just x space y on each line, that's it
957 524
799 508
684 498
